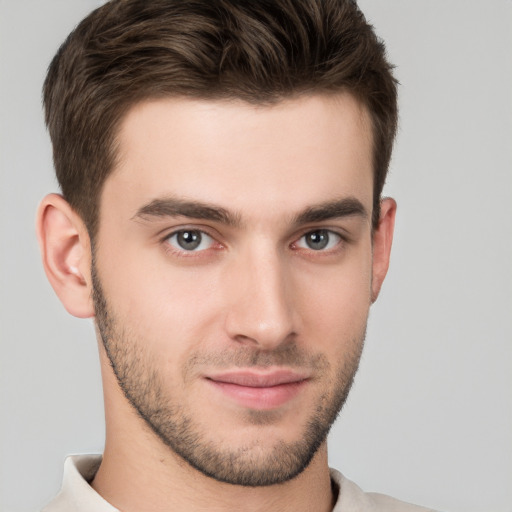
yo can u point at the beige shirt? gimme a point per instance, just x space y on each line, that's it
77 495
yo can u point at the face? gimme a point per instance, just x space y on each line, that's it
233 276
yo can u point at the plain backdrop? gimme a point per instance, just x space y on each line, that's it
430 417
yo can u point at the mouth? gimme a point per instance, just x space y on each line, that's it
259 390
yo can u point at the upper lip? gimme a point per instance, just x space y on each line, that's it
258 379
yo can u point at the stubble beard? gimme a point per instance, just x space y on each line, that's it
139 379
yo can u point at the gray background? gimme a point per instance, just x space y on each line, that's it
430 417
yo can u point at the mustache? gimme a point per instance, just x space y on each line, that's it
288 355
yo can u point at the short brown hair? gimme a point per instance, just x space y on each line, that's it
258 51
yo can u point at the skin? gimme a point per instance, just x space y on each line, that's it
255 295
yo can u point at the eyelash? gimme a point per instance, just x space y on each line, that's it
190 253
329 233
213 244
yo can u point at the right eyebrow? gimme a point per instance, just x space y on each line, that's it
175 207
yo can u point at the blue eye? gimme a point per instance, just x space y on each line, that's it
190 240
319 240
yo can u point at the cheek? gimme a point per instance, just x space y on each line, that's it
336 307
169 309
177 311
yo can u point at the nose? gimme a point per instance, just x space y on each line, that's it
261 310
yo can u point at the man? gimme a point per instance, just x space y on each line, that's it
221 165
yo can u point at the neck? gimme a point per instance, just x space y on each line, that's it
139 481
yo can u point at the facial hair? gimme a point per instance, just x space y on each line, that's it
138 376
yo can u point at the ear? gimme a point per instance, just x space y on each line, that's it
382 240
66 254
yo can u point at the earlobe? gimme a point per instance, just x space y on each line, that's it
66 253
382 241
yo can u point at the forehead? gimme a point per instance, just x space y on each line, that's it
305 150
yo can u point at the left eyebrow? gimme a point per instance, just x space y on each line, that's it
346 207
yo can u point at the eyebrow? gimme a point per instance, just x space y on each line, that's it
346 207
176 207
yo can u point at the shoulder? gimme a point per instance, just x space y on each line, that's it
352 498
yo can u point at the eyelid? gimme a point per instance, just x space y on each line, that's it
175 230
165 234
342 238
170 230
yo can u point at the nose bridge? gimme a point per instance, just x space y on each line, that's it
261 309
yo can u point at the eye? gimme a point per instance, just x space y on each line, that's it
319 240
190 240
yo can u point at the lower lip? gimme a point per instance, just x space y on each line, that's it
265 398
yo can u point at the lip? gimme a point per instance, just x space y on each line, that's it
259 390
